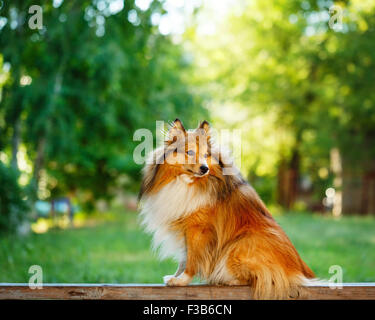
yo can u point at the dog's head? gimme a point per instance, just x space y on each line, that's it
189 151
193 156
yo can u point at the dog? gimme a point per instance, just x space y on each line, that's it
215 224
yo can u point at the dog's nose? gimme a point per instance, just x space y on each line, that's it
203 169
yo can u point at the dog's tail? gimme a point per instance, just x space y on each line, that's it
276 285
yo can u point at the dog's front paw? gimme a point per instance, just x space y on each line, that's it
167 278
182 280
176 282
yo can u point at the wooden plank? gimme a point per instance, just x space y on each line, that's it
349 291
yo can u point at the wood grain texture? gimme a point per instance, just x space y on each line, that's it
349 291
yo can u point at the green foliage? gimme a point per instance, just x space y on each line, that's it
310 86
274 69
13 207
96 78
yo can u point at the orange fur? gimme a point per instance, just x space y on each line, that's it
230 239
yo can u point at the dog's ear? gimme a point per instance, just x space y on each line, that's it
205 126
176 131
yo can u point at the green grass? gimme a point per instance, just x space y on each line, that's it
117 251
324 241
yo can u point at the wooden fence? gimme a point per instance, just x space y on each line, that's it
161 292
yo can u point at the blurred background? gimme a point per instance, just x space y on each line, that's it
296 77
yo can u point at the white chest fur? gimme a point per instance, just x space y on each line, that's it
175 200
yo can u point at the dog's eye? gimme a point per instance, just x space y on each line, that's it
191 153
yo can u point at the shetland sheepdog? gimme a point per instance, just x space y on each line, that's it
214 224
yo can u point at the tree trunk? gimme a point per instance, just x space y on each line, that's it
41 146
358 188
368 193
336 166
39 160
288 177
16 138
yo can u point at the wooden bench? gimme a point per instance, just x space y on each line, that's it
65 291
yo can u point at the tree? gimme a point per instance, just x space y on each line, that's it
95 76
283 68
